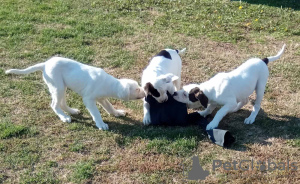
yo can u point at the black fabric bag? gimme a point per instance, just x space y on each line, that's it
174 113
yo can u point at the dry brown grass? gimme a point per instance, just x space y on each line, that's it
51 151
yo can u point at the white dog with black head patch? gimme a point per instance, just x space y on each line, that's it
93 84
230 90
161 75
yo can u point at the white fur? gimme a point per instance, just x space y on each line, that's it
163 74
231 90
92 83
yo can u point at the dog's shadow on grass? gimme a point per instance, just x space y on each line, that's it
278 3
79 118
135 129
130 129
265 127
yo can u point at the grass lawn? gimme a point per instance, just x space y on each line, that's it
121 36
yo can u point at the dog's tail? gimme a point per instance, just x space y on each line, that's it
28 70
181 51
273 58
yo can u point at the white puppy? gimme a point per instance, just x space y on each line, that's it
230 90
92 83
160 76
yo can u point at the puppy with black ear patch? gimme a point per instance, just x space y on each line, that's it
230 90
197 95
161 75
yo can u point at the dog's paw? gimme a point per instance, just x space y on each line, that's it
74 111
8 71
120 113
211 125
249 120
147 119
202 113
66 119
102 126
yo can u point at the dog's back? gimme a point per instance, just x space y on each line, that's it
166 61
241 82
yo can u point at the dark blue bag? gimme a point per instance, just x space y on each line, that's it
174 113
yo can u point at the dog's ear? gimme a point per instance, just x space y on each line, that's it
169 78
124 93
202 98
150 90
196 94
193 93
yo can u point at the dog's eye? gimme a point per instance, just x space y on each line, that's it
184 95
138 90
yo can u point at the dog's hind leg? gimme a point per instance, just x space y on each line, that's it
260 90
65 107
110 109
57 94
241 104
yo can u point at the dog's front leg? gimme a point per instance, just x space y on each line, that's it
208 110
171 89
177 83
147 119
92 108
110 109
220 114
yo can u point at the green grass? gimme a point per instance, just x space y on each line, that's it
8 130
181 146
41 177
121 37
24 157
82 171
76 146
120 58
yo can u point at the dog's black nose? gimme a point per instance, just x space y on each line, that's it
175 94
